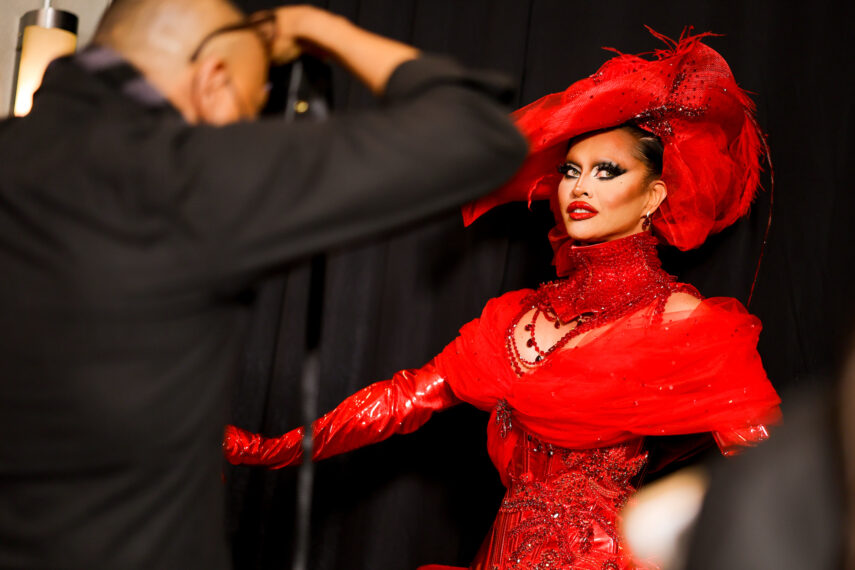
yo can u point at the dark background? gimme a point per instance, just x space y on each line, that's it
394 302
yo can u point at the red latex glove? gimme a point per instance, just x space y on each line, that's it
401 404
733 441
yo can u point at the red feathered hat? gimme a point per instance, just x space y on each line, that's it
687 96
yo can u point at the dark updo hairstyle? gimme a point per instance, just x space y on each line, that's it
649 149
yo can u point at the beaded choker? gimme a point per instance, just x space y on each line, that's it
606 281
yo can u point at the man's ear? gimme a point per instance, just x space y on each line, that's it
212 93
658 193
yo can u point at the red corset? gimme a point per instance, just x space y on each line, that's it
561 508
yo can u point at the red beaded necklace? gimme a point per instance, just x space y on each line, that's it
606 281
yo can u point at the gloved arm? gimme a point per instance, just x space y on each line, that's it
401 404
732 441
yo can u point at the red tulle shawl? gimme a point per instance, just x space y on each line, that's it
697 371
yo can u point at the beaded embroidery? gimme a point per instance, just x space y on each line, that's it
562 512
607 281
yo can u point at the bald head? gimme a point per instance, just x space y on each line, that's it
166 26
225 83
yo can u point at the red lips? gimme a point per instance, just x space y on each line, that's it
581 211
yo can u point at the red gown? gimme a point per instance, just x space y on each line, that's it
566 433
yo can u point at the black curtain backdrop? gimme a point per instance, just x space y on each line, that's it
395 302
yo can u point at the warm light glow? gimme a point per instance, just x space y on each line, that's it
39 46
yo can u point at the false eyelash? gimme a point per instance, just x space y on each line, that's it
564 168
610 168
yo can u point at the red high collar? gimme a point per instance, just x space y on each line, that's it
606 280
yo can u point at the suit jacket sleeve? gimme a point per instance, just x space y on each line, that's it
258 194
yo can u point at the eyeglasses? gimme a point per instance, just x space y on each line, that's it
262 23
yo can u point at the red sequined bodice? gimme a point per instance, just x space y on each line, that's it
561 508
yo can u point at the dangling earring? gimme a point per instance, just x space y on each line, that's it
645 225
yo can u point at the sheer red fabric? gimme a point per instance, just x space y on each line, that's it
690 373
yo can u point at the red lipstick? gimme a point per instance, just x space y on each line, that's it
581 211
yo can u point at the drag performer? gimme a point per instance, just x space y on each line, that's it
579 371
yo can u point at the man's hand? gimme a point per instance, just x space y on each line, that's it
370 57
291 23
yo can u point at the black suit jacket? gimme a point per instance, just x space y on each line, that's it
126 239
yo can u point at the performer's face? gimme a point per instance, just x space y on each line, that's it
606 190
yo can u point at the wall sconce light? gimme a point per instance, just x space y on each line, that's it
44 35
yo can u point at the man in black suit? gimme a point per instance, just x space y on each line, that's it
138 200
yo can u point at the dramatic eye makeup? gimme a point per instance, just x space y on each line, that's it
568 169
608 169
603 170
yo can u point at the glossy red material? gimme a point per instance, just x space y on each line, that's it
566 436
687 96
399 405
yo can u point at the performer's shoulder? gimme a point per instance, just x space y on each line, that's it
680 301
683 304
